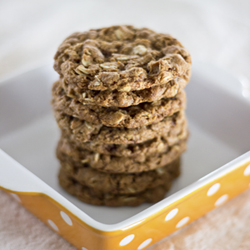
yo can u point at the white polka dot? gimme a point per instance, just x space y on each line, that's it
247 171
53 225
221 200
84 248
171 214
127 240
212 190
144 244
182 222
16 197
66 218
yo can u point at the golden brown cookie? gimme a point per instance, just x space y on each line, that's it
67 152
115 98
91 196
88 132
130 117
157 144
121 58
121 183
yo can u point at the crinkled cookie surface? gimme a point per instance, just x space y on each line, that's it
121 57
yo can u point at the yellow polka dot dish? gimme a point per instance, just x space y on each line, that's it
216 166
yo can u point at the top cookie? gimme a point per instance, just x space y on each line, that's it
121 58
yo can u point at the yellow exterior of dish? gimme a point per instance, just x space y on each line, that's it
146 232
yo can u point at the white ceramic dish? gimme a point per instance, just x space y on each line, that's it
219 118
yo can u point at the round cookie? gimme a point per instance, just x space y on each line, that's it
66 152
131 117
90 196
84 131
122 58
115 98
157 144
121 183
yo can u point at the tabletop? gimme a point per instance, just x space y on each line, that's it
214 31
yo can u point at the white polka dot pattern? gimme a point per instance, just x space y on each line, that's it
213 194
53 225
212 190
144 244
171 214
247 171
127 240
66 218
221 200
182 222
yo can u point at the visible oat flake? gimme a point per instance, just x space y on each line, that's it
79 72
82 69
140 50
123 33
88 125
161 146
131 190
160 171
86 60
118 117
121 57
110 65
85 161
96 157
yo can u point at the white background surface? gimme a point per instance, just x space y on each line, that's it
30 31
214 30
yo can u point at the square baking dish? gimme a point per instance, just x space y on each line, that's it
215 168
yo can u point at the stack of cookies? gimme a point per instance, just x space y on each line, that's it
120 103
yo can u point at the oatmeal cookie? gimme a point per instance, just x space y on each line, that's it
121 183
66 152
84 131
157 144
121 57
91 196
115 98
131 117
